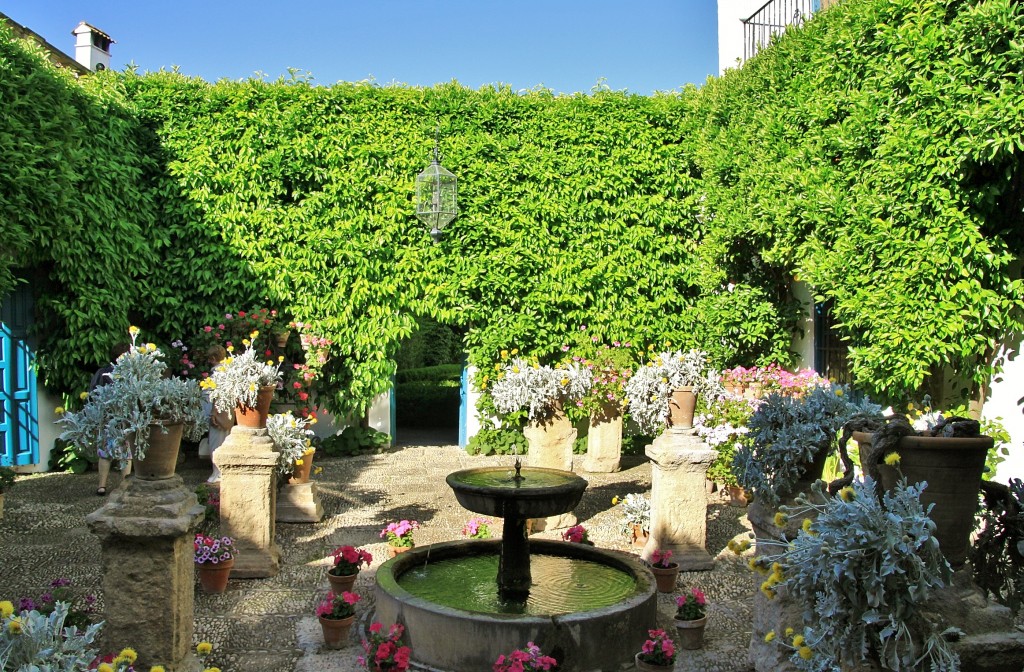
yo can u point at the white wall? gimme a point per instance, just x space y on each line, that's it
1004 402
803 345
730 30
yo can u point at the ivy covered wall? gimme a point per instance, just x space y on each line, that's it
872 154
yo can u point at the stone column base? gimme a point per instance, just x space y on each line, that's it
562 522
299 503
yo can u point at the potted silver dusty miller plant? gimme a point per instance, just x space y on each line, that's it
860 569
141 414
541 391
792 437
244 384
293 442
664 391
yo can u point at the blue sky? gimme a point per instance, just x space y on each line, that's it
566 45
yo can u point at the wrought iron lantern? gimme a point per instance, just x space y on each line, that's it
436 193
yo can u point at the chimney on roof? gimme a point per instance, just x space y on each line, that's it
92 47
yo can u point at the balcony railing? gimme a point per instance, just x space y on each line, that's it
773 18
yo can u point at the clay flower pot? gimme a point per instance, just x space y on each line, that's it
213 577
336 631
255 417
341 583
395 550
643 666
682 405
691 633
665 577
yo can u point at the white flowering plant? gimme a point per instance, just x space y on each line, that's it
236 380
721 422
649 389
538 389
292 440
116 417
636 510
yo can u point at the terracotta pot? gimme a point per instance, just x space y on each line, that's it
162 456
302 471
336 631
640 536
213 577
952 467
737 496
681 406
641 666
666 577
256 417
281 339
342 583
691 633
395 550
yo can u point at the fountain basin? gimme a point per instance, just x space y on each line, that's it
459 640
541 493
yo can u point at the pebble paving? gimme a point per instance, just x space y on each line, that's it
268 625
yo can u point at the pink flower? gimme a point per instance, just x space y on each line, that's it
221 327
241 313
350 598
227 316
207 329
565 348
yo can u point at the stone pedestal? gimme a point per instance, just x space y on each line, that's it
679 500
299 503
149 571
550 446
604 443
248 501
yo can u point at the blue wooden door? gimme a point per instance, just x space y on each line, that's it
19 417
464 406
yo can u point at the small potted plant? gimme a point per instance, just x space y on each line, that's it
399 536
214 558
478 528
347 561
664 391
6 481
385 653
539 390
577 534
336 612
665 571
530 659
658 653
722 423
244 384
791 439
292 440
636 518
141 414
691 617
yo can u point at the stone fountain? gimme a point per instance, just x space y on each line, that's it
466 602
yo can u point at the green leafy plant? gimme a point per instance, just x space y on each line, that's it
117 416
498 441
861 568
787 434
355 440
7 477
33 640
997 554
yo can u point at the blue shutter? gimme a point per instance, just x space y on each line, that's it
19 416
464 406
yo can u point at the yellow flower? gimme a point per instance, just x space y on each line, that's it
767 589
157 668
133 330
254 334
504 354
807 525
770 636
798 641
789 632
212 669
231 348
150 347
6 608
83 396
847 494
732 546
299 462
280 358
308 451
892 459
270 362
203 648
752 564
910 406
59 410
668 344
246 341
805 652
780 519
14 626
312 421
839 391
497 367
776 568
105 667
317 470
515 369
564 381
129 654
515 351
615 500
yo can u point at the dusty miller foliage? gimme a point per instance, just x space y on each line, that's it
116 417
649 389
237 379
44 644
525 385
862 571
788 433
291 437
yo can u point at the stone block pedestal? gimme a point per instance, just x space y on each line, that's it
679 500
604 443
248 501
299 503
550 446
149 571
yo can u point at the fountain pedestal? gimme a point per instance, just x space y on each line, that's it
679 500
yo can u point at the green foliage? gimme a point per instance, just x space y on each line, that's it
861 573
69 457
7 477
997 555
876 152
425 403
440 372
432 344
354 441
497 441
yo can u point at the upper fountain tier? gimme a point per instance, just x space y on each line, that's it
537 493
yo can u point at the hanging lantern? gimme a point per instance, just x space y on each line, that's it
436 194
